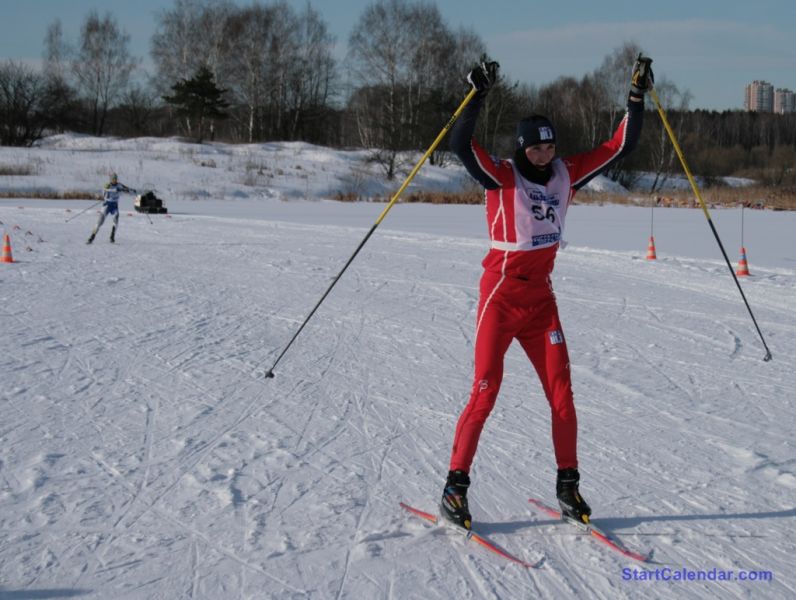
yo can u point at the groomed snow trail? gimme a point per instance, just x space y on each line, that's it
144 454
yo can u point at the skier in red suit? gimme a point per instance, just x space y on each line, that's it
527 198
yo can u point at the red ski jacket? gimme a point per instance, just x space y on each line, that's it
525 219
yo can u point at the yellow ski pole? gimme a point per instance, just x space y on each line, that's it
423 159
698 195
448 125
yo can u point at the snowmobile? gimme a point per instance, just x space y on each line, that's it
148 202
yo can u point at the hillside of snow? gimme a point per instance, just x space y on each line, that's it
144 455
78 164
186 171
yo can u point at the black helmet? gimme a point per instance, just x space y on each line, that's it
533 130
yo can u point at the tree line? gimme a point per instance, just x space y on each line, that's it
267 72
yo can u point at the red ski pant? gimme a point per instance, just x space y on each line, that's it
508 309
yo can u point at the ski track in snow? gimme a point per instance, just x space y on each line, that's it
145 455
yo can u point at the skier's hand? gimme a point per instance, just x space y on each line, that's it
484 76
642 80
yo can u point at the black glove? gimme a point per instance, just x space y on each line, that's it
484 76
642 79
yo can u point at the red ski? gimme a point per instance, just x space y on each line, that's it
472 535
594 532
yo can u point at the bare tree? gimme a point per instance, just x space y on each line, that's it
21 92
102 66
137 111
401 56
192 35
277 64
281 49
56 53
212 46
265 47
431 45
614 78
59 96
466 50
561 102
781 165
378 47
500 112
311 71
662 153
172 46
590 107
251 29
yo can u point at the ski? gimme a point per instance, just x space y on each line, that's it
471 535
594 532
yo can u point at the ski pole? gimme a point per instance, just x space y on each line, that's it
694 187
82 211
383 214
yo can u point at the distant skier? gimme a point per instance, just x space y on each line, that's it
110 205
527 198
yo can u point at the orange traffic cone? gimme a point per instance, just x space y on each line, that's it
651 249
6 257
743 266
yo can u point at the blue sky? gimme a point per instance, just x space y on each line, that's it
710 47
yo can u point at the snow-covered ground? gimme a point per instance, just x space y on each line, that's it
74 164
143 454
185 171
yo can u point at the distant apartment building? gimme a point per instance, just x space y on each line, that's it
759 97
784 101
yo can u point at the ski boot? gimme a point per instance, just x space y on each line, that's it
573 506
454 499
113 234
91 237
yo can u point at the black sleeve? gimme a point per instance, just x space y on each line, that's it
461 143
635 121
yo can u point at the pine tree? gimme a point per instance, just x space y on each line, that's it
199 101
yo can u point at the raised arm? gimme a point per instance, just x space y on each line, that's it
479 164
586 166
